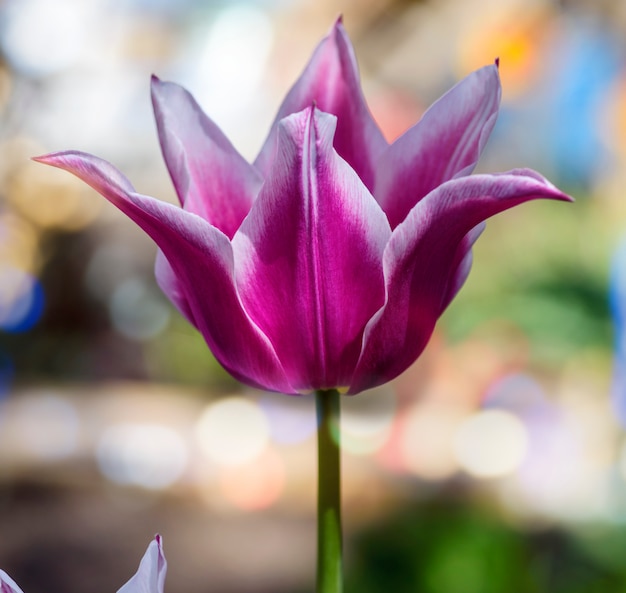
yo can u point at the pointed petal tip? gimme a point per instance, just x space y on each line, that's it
96 172
565 198
160 89
157 87
554 193
497 62
54 158
338 29
60 159
321 123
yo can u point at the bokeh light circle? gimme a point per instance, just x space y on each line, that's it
138 312
491 444
147 455
366 421
425 441
41 37
255 485
45 427
232 431
291 420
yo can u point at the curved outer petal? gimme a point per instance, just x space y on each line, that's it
445 143
419 265
462 264
202 260
211 178
331 82
172 288
309 256
7 584
150 577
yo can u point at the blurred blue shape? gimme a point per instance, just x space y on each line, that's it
185 8
21 300
617 301
580 69
165 7
586 67
7 373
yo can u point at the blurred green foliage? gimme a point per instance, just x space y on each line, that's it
544 270
457 547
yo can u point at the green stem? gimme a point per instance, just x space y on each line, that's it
329 556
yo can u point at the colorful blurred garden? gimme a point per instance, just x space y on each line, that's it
496 464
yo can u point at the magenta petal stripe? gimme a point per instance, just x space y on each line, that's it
420 258
309 256
202 260
211 178
331 82
445 143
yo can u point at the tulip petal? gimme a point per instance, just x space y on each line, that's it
419 265
331 82
462 264
7 584
202 262
446 143
150 577
309 256
168 282
211 178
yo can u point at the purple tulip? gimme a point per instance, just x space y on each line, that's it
149 578
327 262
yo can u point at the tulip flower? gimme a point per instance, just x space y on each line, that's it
148 579
325 264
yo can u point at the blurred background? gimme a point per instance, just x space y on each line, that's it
497 463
